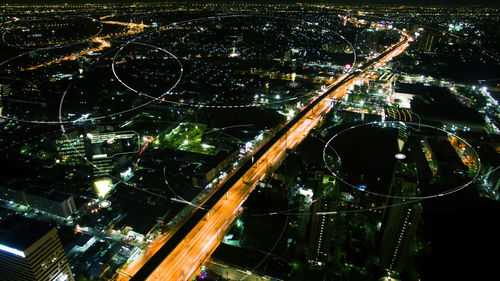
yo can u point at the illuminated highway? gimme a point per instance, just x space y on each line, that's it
102 44
184 251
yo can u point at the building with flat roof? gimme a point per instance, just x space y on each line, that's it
52 201
31 251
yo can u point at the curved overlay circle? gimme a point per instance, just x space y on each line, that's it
204 105
53 46
61 121
451 190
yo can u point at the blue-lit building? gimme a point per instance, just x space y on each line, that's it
31 251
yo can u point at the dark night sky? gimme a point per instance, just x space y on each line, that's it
494 3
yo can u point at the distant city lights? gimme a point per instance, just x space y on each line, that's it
103 186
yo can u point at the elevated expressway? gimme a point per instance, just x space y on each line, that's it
192 243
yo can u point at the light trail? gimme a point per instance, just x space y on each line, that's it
133 28
129 25
202 238
277 156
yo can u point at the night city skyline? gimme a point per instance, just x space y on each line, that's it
249 140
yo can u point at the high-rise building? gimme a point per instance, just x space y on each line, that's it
71 148
104 146
322 221
4 90
1 105
31 251
102 166
401 219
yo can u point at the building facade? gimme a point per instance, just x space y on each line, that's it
401 220
52 202
31 251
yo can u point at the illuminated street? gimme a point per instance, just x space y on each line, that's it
189 255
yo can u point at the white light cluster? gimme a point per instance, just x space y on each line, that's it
12 250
